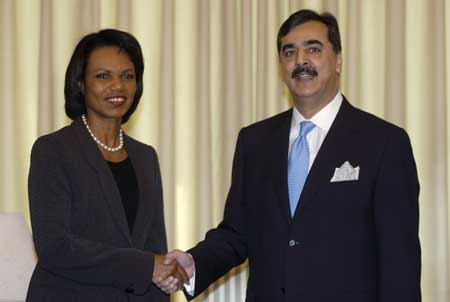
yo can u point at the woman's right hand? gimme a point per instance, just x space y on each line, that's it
169 277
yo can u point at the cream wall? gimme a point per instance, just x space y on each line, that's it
211 68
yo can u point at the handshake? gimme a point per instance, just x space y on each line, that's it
173 270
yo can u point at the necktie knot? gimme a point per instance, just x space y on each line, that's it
306 127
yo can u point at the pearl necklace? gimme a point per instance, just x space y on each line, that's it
104 146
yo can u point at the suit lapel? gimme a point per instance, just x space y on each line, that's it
105 176
144 183
330 152
281 147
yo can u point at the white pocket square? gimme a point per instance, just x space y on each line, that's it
345 173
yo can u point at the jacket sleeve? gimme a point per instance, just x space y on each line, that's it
156 241
64 253
156 237
225 246
396 216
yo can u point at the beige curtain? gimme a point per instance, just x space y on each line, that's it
211 68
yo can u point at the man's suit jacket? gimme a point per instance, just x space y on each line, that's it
80 231
349 241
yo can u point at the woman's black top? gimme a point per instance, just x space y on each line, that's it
127 183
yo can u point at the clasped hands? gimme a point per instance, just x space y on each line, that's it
173 270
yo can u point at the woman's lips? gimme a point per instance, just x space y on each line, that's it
116 100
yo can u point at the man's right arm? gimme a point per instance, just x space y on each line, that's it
224 247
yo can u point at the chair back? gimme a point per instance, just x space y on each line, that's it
17 257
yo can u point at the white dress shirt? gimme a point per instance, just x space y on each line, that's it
323 121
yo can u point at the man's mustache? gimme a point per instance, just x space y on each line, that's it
306 69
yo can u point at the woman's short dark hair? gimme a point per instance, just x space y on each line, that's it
75 73
306 15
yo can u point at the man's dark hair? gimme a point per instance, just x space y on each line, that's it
75 73
306 15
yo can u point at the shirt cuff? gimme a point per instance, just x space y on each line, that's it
190 288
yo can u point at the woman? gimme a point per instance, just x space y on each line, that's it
95 193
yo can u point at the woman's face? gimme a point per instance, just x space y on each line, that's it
109 84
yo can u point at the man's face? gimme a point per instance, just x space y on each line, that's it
307 46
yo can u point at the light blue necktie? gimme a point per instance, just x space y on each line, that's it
298 164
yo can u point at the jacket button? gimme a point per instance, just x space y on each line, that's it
291 242
129 290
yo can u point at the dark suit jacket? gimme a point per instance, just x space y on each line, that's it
348 241
80 231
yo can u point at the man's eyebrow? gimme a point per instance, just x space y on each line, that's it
287 46
311 42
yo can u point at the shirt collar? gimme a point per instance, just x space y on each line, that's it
322 119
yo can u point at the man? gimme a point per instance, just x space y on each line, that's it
324 197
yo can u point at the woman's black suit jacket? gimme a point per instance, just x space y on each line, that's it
82 239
